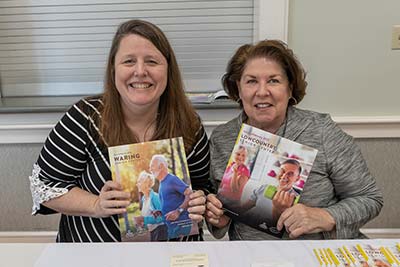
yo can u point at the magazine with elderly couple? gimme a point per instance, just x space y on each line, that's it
265 175
157 177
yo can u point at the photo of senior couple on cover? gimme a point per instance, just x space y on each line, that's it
159 193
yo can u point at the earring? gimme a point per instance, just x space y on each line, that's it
294 100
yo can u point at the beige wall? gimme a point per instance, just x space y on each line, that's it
345 46
382 156
15 197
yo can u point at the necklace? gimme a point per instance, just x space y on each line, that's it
246 120
285 124
149 132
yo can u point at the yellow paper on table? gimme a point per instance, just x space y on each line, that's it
189 260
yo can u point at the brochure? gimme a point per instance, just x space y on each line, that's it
365 255
265 174
156 175
189 260
207 97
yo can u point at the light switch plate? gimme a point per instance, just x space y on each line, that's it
396 37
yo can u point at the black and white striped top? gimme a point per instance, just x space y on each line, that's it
71 157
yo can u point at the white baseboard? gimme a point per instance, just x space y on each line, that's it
382 232
50 236
373 233
28 237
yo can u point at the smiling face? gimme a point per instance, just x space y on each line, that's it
240 156
141 73
144 185
264 91
155 168
288 175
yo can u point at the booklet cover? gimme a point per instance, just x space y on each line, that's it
156 175
365 255
207 97
265 174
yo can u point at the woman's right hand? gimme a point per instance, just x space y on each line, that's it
214 212
112 200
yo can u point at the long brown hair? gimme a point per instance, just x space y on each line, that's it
272 49
176 116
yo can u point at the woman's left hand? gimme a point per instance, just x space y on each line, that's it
197 205
300 219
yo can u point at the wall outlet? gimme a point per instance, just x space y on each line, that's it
396 37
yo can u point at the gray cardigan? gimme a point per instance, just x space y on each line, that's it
339 180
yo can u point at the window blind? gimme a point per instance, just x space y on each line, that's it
53 47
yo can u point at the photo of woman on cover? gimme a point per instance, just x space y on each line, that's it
151 216
236 176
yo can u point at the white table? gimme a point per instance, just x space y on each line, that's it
220 253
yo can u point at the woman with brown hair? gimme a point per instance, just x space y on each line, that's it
143 100
339 196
